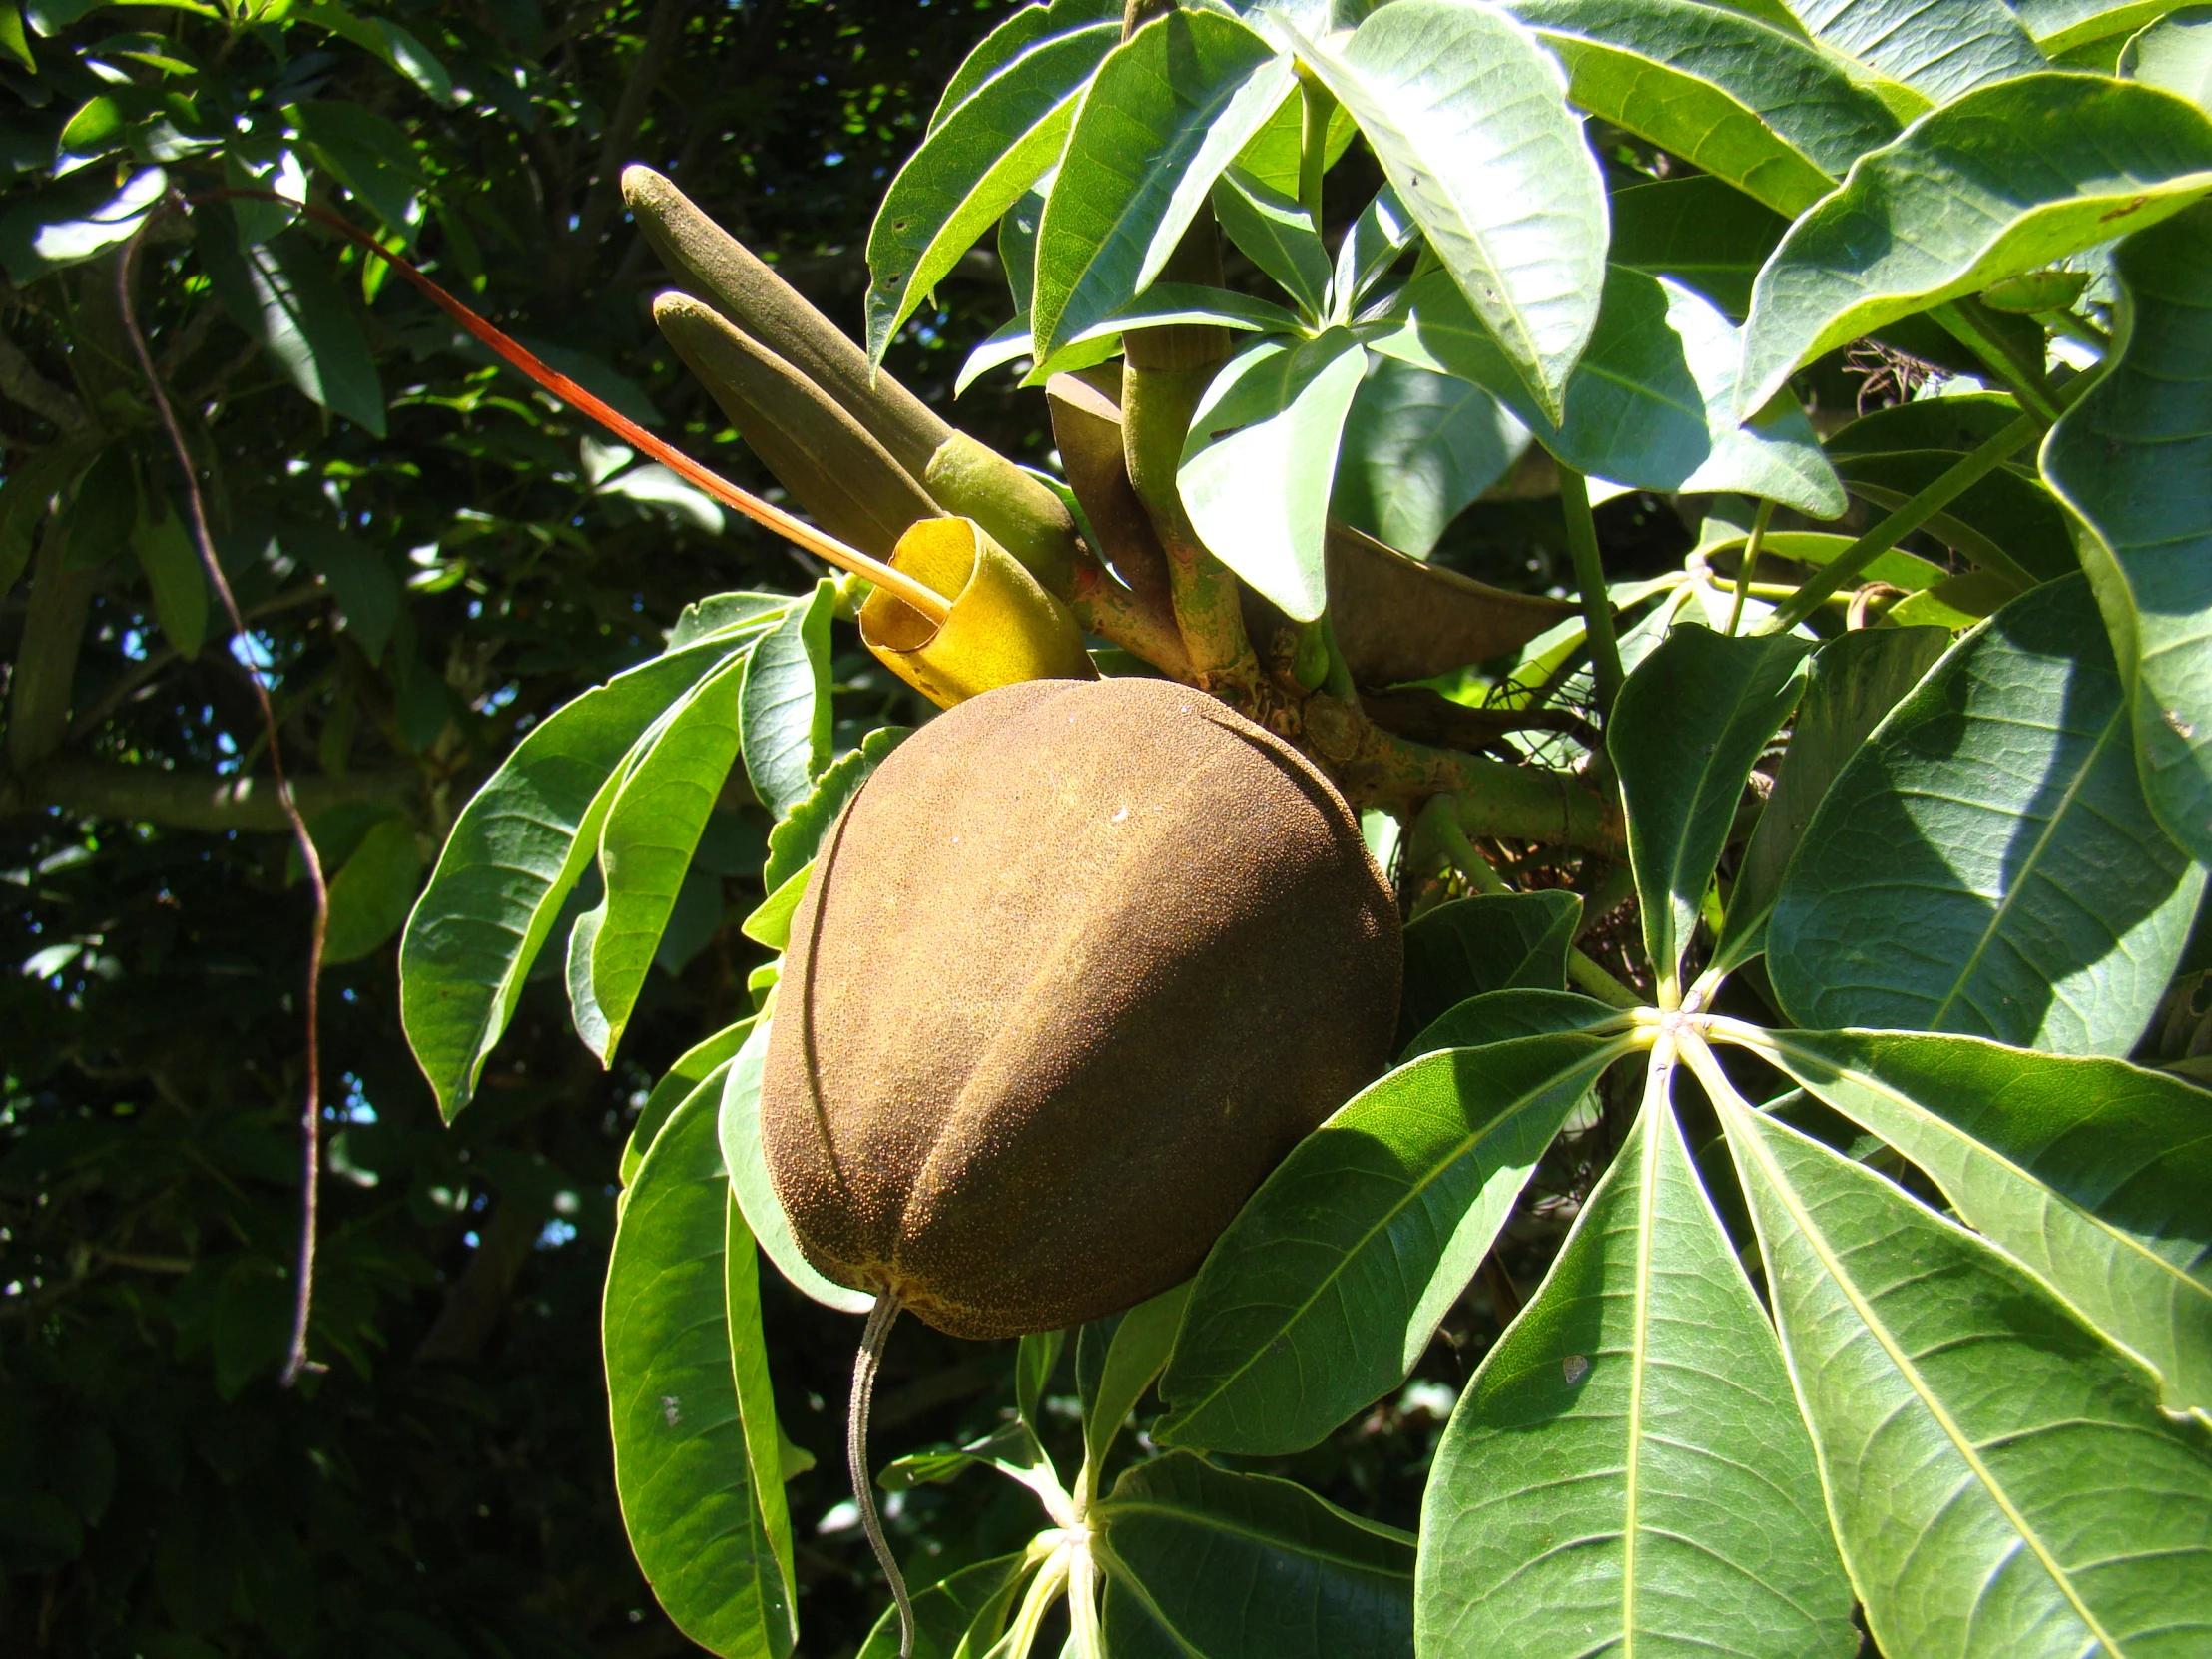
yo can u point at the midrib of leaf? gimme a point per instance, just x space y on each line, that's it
1598 1059
1779 1043
1967 1451
2029 869
1655 1107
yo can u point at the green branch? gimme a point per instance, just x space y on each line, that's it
190 800
1589 576
1847 565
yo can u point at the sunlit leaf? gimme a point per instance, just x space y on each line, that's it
1985 862
2001 1480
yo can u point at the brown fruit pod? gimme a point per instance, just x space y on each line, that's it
846 481
1077 966
738 283
1003 627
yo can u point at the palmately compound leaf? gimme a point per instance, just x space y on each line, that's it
784 715
1167 110
1985 862
2131 458
1763 108
1652 405
1418 448
687 1482
978 162
1940 48
1854 681
1241 1566
1257 465
2003 182
1627 1472
1690 724
645 849
2090 1172
514 857
1469 120
2002 1482
1327 1288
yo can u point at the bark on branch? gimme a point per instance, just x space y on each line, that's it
189 800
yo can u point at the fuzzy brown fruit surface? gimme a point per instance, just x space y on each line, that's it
1077 966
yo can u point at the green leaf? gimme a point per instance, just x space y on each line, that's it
1698 231
693 1067
771 922
763 1436
281 294
373 891
794 841
2006 522
727 615
1941 50
2127 458
1985 862
1257 465
1653 404
1035 1357
1141 1338
2002 1483
1766 111
1273 153
1366 251
2174 53
1493 942
1015 36
1500 1016
976 164
177 579
2091 1173
2061 26
1205 1564
783 714
754 1190
1690 723
514 857
31 488
1627 1472
1467 115
1167 111
2005 181
1418 447
1854 681
971 1603
645 849
373 156
1326 1289
14 43
1275 235
1013 1450
388 41
682 1470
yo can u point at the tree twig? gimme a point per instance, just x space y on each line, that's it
311 1116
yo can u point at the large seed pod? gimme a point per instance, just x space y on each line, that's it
1078 965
